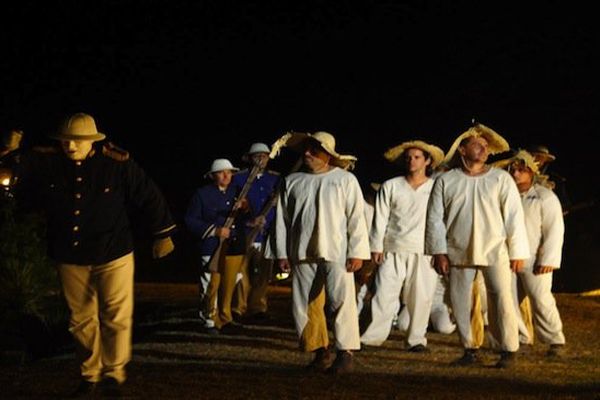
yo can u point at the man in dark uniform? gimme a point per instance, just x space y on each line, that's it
85 191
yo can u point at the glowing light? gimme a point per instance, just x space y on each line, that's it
282 275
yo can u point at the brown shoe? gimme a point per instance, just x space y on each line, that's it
556 351
343 364
508 359
470 357
323 360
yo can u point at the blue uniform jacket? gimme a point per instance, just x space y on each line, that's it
210 208
260 192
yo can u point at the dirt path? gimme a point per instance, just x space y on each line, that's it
174 359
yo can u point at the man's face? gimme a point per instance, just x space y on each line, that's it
315 158
222 178
260 159
522 175
415 160
77 149
475 149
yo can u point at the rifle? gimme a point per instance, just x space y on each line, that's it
269 205
215 258
275 150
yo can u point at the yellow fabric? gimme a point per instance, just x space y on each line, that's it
525 308
100 298
221 289
162 247
477 323
315 334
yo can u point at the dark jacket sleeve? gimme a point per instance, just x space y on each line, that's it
145 195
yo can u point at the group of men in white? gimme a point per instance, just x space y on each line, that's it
445 222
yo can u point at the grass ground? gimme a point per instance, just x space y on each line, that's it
172 358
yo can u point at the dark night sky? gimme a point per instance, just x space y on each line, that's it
161 77
164 77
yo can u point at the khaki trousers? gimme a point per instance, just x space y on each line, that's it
100 298
251 291
221 288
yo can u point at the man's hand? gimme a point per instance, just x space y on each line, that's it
441 264
259 221
162 247
284 265
542 269
516 265
377 258
353 264
222 232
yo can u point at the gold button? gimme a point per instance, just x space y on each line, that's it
79 179
106 190
77 195
75 244
77 212
75 228
78 163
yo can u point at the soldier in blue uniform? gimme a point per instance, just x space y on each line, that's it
252 290
85 190
205 218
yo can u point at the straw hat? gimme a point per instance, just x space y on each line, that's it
437 154
79 126
220 164
496 143
326 140
541 152
522 156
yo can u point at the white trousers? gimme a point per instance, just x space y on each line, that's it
546 319
502 318
308 282
439 317
413 272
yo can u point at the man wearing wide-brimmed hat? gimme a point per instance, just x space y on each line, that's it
545 231
86 190
321 234
475 223
251 291
396 241
206 217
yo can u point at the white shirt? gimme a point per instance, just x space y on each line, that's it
476 220
399 220
321 217
545 226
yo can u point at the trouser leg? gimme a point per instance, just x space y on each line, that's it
502 317
547 322
308 306
420 285
385 303
115 294
260 276
461 295
232 266
341 293
81 296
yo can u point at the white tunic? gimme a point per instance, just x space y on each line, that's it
476 220
399 220
545 226
321 217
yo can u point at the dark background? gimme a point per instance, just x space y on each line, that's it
179 83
